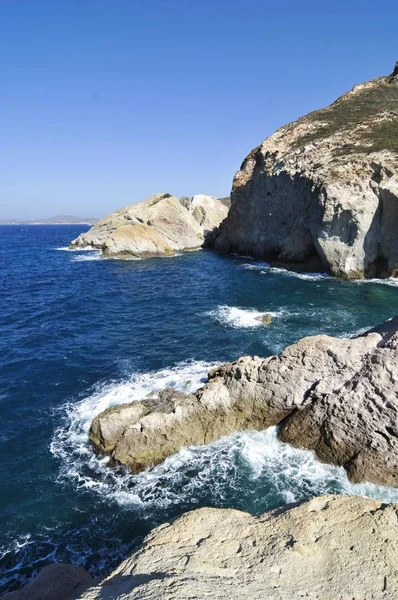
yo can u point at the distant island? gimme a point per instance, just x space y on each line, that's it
58 220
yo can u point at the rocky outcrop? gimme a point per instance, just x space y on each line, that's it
206 210
323 191
330 548
158 226
336 396
54 582
355 425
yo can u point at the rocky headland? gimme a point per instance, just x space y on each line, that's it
159 226
322 193
336 396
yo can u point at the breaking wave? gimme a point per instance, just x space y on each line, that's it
251 470
241 317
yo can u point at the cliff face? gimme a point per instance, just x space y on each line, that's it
324 190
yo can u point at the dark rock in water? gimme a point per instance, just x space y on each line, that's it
54 582
324 186
265 319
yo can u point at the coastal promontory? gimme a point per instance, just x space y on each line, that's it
322 192
158 226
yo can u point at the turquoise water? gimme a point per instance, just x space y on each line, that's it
79 333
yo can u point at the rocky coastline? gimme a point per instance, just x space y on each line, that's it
322 192
161 225
338 397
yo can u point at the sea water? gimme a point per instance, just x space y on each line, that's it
79 334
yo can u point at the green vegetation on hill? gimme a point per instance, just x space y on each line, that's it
362 107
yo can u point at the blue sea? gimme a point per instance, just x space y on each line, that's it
79 334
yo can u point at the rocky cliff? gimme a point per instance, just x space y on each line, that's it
322 192
158 226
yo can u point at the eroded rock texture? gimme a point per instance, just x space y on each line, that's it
322 192
331 548
158 226
336 396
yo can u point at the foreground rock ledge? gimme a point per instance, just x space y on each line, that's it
336 396
331 548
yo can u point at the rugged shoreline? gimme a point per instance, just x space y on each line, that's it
336 396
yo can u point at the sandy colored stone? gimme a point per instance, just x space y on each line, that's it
322 192
206 210
357 424
330 548
298 389
54 582
158 226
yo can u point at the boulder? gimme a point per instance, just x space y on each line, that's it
322 192
302 389
54 582
158 226
355 425
265 319
330 548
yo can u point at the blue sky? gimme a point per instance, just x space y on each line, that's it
105 102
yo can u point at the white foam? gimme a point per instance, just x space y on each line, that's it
70 441
275 472
391 281
241 317
94 255
265 268
77 249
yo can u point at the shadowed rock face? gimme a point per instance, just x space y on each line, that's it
323 191
329 548
158 226
54 582
336 396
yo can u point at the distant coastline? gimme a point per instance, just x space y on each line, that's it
58 220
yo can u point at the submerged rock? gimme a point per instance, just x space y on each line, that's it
330 548
265 319
337 396
325 186
158 226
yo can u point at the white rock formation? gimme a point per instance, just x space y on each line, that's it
323 191
158 226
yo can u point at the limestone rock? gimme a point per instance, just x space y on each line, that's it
324 187
54 582
357 424
305 381
330 548
158 226
206 210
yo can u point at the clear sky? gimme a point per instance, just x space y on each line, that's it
105 102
